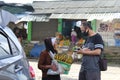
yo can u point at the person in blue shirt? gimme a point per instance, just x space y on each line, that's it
91 51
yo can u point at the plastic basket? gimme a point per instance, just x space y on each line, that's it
66 66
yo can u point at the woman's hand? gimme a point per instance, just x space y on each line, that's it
54 67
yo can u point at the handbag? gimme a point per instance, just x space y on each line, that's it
102 62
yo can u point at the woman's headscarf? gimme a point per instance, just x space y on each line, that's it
49 46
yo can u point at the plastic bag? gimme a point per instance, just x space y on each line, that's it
59 71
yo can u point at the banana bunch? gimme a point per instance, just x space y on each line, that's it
66 43
64 58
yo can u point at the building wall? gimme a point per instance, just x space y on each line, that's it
41 30
110 31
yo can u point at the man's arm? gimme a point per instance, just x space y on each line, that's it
90 52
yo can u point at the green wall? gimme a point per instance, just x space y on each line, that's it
29 31
60 25
93 24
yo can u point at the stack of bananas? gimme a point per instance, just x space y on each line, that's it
66 43
64 57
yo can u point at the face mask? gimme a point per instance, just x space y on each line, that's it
85 33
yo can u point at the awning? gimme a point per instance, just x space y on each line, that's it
86 16
40 18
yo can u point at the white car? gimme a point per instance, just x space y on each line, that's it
13 61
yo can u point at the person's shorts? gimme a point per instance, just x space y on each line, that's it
90 75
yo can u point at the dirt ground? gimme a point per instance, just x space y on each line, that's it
113 72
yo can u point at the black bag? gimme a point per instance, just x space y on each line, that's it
103 64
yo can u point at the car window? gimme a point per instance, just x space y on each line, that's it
15 50
7 47
4 47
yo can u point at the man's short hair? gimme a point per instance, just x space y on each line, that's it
87 25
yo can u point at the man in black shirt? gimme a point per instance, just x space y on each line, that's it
91 51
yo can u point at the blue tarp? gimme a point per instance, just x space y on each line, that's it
117 42
36 50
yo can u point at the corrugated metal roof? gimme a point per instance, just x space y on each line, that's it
16 8
97 9
77 7
41 18
105 16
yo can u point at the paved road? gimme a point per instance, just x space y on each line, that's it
113 72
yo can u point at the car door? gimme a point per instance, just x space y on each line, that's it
13 66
